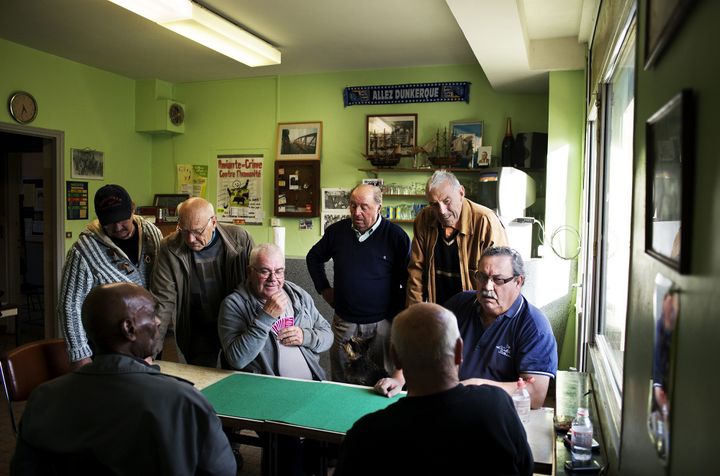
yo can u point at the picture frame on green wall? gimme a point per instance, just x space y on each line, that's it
662 19
669 135
87 164
299 140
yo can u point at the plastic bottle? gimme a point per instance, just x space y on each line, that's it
521 399
582 436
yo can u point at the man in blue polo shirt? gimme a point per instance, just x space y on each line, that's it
370 257
505 336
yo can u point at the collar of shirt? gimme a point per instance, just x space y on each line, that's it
364 236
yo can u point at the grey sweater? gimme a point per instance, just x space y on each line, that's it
245 334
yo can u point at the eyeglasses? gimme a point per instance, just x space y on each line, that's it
265 272
196 234
497 280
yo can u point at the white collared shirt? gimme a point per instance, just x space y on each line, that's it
364 236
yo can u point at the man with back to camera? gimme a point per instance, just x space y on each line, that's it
118 414
370 257
117 247
506 337
198 265
442 426
449 237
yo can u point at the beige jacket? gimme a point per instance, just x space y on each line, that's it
479 228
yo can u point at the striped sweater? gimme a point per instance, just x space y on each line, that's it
93 260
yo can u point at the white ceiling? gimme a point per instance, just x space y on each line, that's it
515 41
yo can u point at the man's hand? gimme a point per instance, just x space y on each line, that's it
79 363
328 295
276 304
290 336
388 387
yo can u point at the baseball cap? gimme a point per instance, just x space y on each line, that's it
112 204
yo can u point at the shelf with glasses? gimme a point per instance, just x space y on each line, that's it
421 170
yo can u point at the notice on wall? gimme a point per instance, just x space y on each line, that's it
192 180
239 188
76 195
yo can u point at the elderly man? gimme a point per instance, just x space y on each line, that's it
198 266
118 414
117 247
507 337
442 426
370 257
449 237
271 326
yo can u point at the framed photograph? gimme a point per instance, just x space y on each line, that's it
465 140
378 182
88 164
299 140
663 17
669 139
331 216
484 156
391 135
336 199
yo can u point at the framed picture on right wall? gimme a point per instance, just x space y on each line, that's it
669 134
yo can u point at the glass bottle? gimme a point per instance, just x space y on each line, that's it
507 145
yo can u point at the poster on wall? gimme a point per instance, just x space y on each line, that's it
666 307
335 206
192 180
76 195
239 188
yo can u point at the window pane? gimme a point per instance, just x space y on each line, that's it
617 210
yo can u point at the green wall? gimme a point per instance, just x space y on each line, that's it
242 115
566 119
688 62
92 107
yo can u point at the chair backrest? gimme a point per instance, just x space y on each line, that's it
24 368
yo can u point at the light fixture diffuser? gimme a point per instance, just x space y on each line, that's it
202 26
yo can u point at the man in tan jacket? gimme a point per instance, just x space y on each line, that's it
449 237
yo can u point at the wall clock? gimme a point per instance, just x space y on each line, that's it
23 107
177 114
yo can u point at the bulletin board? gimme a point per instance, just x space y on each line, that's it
297 188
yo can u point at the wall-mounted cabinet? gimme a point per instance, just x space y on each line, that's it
297 188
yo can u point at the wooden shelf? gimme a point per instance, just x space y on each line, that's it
402 195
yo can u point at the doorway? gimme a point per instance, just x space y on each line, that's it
31 224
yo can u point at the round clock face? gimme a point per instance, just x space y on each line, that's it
177 114
23 107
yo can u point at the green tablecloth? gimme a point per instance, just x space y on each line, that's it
320 405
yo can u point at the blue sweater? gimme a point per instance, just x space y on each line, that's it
370 277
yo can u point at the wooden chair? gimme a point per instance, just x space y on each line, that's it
24 368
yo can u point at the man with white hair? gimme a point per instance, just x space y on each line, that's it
442 426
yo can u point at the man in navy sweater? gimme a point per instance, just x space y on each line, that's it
370 257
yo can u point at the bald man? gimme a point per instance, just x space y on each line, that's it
118 414
442 426
198 265
370 257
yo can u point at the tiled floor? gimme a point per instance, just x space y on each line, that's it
251 455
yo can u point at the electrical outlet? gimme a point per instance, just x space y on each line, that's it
274 222
68 234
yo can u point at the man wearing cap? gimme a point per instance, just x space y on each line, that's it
198 265
117 247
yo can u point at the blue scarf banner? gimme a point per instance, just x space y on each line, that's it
407 93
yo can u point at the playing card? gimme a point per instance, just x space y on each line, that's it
282 323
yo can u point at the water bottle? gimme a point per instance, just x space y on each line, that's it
521 399
582 436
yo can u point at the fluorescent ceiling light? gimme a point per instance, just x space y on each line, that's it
202 26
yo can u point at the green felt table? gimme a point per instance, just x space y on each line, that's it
322 406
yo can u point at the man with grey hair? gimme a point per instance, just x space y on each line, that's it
426 345
508 338
198 265
449 237
370 258
271 326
